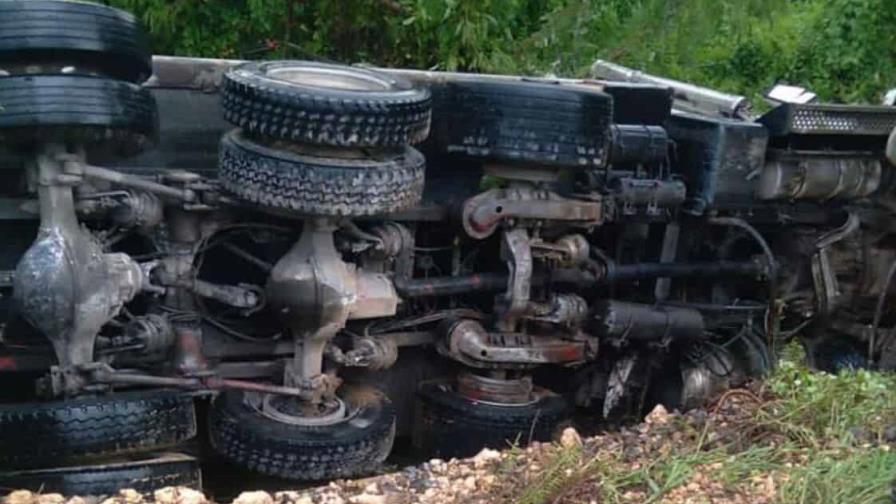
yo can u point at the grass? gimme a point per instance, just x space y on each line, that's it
815 438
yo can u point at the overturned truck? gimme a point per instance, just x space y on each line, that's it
336 256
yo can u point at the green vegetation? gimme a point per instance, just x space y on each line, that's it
843 49
806 437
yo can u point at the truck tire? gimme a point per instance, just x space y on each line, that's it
86 36
44 434
520 122
324 104
342 183
76 108
144 475
354 446
456 426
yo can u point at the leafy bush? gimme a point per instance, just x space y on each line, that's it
849 407
843 49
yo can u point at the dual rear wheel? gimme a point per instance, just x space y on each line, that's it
70 74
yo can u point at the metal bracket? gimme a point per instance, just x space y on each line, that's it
827 288
483 213
515 250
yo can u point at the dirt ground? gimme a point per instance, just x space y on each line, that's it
730 452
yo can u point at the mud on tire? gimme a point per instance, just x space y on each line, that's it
324 104
456 426
44 434
355 446
348 184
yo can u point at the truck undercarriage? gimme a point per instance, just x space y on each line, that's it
342 255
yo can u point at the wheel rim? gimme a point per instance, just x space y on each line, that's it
330 78
290 410
496 391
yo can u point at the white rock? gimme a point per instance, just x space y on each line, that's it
178 495
19 497
366 498
486 456
570 438
658 416
332 499
256 497
292 497
50 498
130 496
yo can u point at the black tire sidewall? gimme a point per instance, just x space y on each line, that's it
75 108
374 415
44 434
352 447
457 426
75 33
143 476
291 184
276 109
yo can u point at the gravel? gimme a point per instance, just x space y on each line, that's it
572 469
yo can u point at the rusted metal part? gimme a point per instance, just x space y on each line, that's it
187 230
469 343
483 213
76 167
374 296
104 374
290 411
188 356
150 334
316 292
516 252
819 176
568 251
64 284
566 310
374 353
126 208
267 370
495 390
239 296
